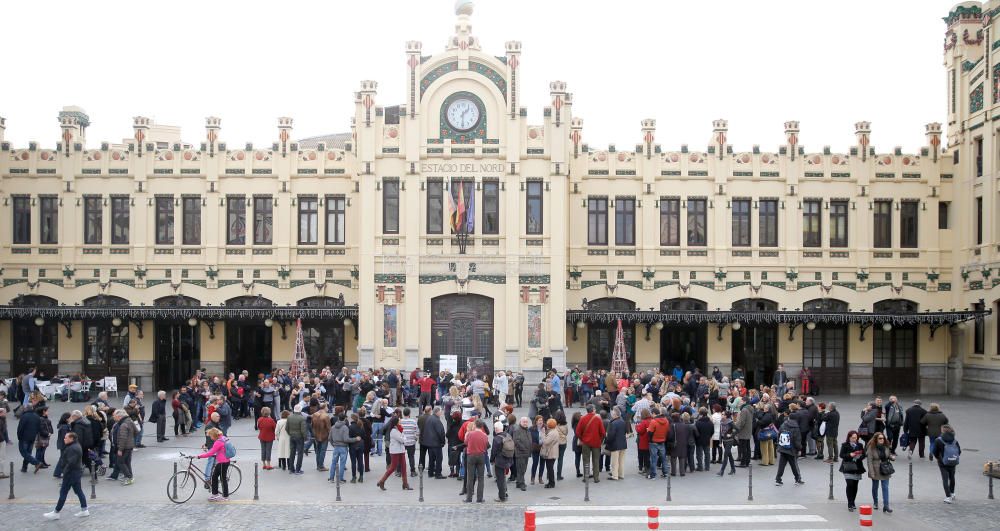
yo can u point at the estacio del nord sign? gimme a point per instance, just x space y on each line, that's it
462 167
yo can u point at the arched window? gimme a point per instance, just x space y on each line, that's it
682 305
824 305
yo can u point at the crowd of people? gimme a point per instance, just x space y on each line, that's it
679 423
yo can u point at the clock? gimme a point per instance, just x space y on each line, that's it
463 114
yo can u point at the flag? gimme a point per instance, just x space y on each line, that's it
460 211
300 366
470 212
452 222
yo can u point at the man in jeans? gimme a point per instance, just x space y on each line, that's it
340 439
522 450
296 428
590 431
659 428
71 463
476 443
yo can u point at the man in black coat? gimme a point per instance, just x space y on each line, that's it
71 463
914 430
27 431
433 438
158 415
832 420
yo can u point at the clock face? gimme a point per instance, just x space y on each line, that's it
463 114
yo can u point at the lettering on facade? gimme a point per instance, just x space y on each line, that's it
462 167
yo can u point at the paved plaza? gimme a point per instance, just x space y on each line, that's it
698 501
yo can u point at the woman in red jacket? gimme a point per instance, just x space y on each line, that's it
642 441
265 433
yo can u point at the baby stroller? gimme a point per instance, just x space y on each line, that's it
96 462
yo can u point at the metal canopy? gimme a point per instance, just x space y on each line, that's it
215 313
773 318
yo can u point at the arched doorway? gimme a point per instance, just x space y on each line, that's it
248 343
894 364
323 338
178 345
683 344
755 346
601 336
824 348
35 341
105 346
462 326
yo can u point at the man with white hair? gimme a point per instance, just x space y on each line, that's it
501 458
522 450
159 416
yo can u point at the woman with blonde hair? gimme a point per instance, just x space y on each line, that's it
221 468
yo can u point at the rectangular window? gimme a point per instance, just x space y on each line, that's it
883 224
979 342
236 220
943 208
908 229
164 220
336 216
625 221
48 222
670 221
597 221
978 143
533 210
119 220
838 224
491 207
768 223
22 220
812 231
435 206
741 222
263 220
191 221
308 220
390 206
92 220
697 220
463 194
979 221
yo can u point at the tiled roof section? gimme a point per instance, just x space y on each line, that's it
333 141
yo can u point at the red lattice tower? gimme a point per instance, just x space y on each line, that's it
619 358
299 364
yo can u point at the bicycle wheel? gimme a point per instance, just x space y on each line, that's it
235 478
181 486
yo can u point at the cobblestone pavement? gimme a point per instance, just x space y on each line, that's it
364 504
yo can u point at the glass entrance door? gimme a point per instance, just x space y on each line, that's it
105 350
177 354
248 347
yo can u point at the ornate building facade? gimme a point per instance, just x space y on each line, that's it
448 225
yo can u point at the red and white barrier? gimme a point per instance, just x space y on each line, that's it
529 520
866 515
653 513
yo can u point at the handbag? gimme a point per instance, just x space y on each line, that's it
886 469
904 439
849 467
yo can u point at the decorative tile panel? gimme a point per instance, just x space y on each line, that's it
433 75
976 99
491 74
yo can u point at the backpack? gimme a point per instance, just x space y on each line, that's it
230 449
507 450
785 440
949 456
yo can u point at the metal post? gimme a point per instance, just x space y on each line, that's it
910 495
668 483
990 496
175 480
256 482
11 497
337 481
421 481
750 481
586 481
93 483
831 482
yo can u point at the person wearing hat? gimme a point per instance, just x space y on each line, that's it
130 395
914 428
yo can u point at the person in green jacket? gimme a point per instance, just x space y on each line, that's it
296 428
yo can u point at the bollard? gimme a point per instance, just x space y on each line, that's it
256 482
668 484
11 497
337 481
653 515
831 482
175 480
750 481
529 520
421 483
586 481
866 515
989 496
910 495
93 484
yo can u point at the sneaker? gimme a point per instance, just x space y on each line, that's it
778 483
128 482
947 499
214 498
799 482
223 499
83 513
51 516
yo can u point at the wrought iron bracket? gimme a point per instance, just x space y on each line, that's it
721 325
282 323
864 326
69 327
574 325
211 328
791 331
138 326
935 326
648 327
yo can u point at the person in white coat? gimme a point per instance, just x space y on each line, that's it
500 385
284 446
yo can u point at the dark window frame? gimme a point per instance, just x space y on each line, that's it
597 221
979 331
120 220
812 223
435 206
909 223
48 220
979 221
670 222
390 206
944 210
534 199
93 220
882 224
977 144
164 219
741 223
21 222
768 221
263 220
839 214
336 209
309 219
491 206
236 208
697 207
625 221
191 220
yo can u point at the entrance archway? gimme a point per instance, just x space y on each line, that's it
178 346
105 346
601 336
462 326
755 347
248 343
683 344
824 348
35 343
894 364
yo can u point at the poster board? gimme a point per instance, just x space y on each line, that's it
448 362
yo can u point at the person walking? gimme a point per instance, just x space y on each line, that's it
158 414
932 423
476 443
127 433
947 451
501 457
880 469
522 450
893 422
914 428
28 429
296 428
221 469
265 434
321 425
591 433
789 445
852 456
550 452
71 464
727 436
41 442
397 453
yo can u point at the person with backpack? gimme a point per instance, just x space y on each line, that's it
501 457
727 436
947 451
221 450
893 422
789 445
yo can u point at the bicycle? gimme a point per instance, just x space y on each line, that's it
182 485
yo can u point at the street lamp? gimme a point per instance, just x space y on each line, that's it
268 322
192 322
581 325
347 321
659 325
39 321
737 325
